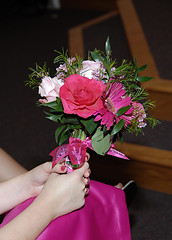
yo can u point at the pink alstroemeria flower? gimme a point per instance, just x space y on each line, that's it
139 114
114 99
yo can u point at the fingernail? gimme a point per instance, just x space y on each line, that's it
86 191
63 167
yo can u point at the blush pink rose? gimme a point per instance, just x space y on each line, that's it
81 95
49 88
89 67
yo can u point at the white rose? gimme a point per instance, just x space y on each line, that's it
49 88
88 67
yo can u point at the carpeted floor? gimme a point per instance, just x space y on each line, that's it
151 216
24 131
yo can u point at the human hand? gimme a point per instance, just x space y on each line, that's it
37 177
65 193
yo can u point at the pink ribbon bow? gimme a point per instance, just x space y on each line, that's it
76 150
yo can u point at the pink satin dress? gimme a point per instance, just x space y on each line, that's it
103 217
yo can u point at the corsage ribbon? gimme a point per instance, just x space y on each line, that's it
76 151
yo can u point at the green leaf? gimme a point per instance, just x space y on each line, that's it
54 117
64 131
107 47
72 120
63 137
118 127
122 110
56 105
100 143
144 79
122 68
58 131
142 68
50 104
90 125
135 86
121 139
95 56
135 62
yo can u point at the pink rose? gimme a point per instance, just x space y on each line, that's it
81 96
89 67
49 88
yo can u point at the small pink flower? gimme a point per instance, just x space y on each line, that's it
139 114
49 88
114 99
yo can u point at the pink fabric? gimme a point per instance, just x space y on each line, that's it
104 217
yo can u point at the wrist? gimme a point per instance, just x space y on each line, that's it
47 204
28 189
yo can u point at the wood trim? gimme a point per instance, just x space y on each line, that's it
76 43
75 35
146 154
139 47
163 101
159 85
98 19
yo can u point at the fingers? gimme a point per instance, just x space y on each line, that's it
59 168
87 156
87 173
46 167
87 185
86 191
86 181
83 169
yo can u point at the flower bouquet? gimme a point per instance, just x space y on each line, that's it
93 101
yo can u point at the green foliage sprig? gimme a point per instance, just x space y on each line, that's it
36 75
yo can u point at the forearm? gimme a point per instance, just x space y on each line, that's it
13 192
9 167
30 223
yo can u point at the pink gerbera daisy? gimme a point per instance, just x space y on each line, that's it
114 99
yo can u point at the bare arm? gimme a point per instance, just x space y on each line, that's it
13 192
24 186
29 224
9 167
68 196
